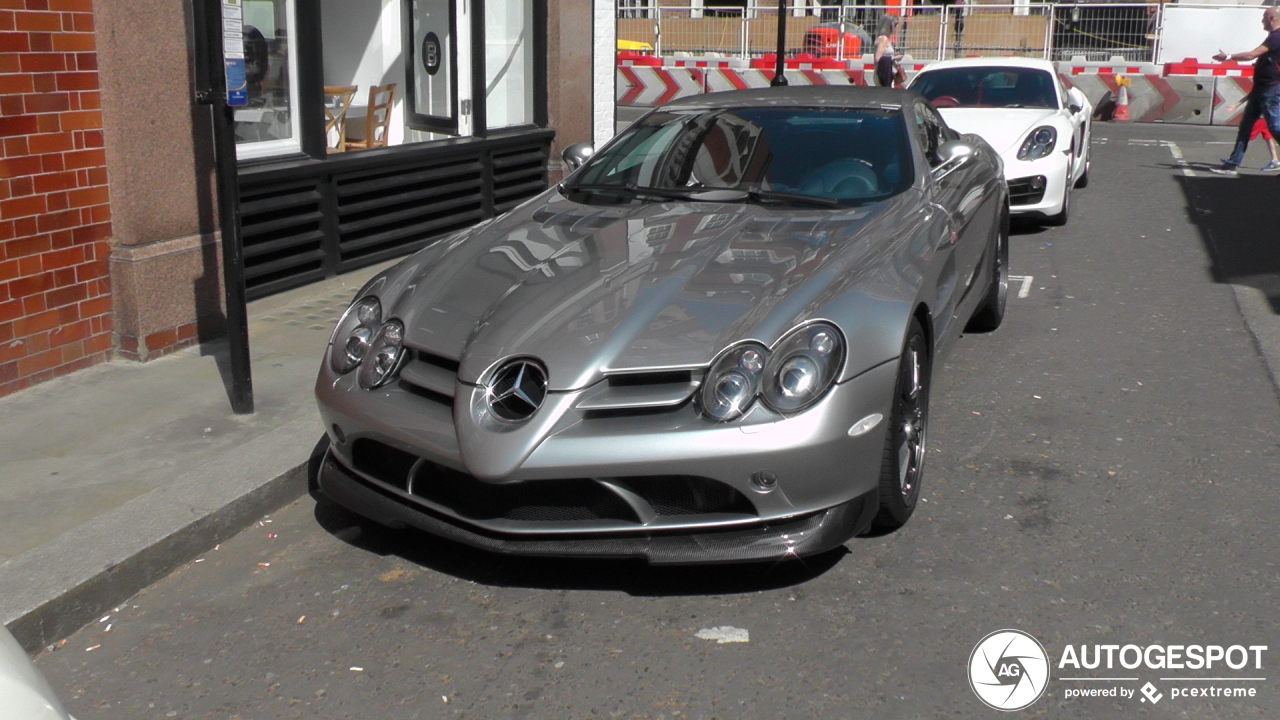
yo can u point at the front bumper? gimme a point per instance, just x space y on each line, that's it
796 537
1018 173
612 485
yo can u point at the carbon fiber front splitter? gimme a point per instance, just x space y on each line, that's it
777 540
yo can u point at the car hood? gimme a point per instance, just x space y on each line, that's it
590 289
1002 128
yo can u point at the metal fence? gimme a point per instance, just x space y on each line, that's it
1053 31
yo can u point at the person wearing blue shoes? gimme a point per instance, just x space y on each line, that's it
1264 100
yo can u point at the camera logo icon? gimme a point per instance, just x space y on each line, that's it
1008 670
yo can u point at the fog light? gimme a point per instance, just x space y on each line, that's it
1037 182
338 435
763 481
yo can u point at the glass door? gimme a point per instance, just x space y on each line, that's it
438 66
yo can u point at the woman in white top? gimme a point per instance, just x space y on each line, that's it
884 55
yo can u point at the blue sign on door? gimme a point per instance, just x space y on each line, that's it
237 86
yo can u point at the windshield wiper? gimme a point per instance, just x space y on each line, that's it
779 196
633 189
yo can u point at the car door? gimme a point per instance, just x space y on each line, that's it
959 188
941 198
1079 119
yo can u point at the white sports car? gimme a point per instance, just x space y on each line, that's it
1023 110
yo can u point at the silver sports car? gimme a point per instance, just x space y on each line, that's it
712 342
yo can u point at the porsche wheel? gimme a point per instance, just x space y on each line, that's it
903 465
990 313
1061 217
1083 181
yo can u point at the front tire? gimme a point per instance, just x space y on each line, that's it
990 313
1061 218
902 467
1083 182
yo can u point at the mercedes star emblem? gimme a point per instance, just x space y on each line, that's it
517 390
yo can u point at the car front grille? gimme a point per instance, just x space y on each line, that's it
1027 190
547 501
429 376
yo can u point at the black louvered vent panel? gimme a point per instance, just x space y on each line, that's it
280 224
518 174
387 209
303 219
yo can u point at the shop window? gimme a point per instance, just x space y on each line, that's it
267 125
508 63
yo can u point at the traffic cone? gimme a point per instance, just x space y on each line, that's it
1122 100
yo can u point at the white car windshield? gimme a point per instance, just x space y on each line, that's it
987 87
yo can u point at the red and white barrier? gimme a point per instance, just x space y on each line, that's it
1186 92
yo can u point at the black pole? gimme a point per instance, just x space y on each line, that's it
214 93
779 78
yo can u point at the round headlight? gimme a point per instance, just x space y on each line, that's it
732 382
351 338
383 357
803 367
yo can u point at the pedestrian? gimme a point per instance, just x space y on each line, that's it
1264 100
884 54
1260 129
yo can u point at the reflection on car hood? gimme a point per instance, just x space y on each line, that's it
1002 128
590 288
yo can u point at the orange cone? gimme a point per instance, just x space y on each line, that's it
1122 101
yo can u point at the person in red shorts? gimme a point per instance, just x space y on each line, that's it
1260 128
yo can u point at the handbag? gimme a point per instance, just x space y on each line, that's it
899 75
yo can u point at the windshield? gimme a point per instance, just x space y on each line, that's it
791 155
997 87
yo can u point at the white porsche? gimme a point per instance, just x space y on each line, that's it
1022 109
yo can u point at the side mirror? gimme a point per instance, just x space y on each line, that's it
1075 100
576 154
954 151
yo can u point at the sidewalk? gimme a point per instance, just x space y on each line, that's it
113 476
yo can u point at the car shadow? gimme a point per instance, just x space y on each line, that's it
1233 215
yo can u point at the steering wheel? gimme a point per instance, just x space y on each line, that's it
946 101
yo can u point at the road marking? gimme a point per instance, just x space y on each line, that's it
1177 158
1026 283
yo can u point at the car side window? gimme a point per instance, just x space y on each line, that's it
931 132
1063 98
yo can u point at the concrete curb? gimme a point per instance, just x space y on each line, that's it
58 587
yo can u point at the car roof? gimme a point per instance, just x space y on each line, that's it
850 96
1036 63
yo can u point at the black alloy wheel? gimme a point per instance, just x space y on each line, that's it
902 468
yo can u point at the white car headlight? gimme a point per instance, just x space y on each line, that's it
353 335
803 367
383 357
1039 143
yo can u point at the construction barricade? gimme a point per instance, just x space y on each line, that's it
1186 92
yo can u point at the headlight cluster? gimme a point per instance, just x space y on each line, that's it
362 340
1038 144
792 376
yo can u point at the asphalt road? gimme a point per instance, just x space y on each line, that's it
1101 471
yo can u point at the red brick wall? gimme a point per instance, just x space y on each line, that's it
55 294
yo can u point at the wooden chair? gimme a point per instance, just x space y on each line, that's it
337 99
377 117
